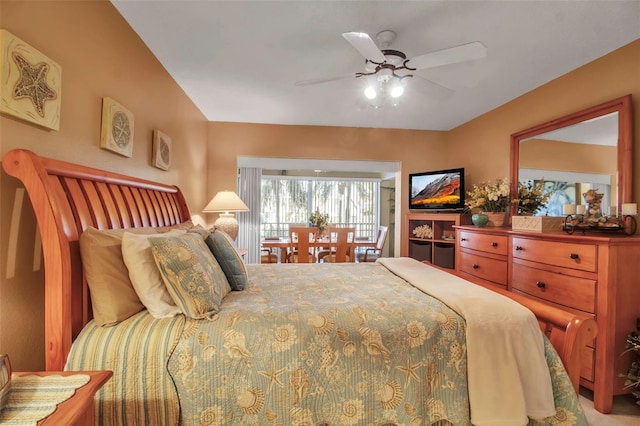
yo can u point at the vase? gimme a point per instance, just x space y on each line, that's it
480 220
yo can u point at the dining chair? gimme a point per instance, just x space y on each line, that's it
373 253
268 256
341 245
302 247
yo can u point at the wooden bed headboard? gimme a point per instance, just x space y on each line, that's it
67 198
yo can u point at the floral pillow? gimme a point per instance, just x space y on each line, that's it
191 273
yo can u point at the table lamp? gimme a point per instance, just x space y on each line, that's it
225 202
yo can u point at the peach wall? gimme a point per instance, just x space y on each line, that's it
416 150
483 144
575 157
100 56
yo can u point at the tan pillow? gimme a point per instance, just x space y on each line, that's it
113 298
145 276
112 295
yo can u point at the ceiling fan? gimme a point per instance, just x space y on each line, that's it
384 64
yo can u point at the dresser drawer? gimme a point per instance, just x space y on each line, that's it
567 255
487 243
493 270
573 292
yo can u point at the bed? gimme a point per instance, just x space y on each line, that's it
300 344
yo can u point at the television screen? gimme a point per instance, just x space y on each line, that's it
437 190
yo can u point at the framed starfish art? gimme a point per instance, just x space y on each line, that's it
117 128
31 83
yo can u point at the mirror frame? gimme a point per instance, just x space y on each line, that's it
623 107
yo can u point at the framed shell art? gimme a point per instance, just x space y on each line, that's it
161 157
31 83
117 128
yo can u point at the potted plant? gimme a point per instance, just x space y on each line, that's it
490 201
320 221
531 197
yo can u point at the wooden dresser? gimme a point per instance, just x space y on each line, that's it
596 274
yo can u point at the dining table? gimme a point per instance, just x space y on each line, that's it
283 243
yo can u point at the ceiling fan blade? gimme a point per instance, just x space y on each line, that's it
363 44
452 55
324 79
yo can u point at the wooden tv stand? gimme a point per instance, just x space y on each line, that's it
440 248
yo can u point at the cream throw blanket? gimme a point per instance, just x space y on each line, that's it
507 372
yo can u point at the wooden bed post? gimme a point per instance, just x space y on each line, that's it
56 251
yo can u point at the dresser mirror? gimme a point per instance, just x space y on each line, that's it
589 149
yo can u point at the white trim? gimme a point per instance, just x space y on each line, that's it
275 163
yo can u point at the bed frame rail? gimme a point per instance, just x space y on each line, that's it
67 198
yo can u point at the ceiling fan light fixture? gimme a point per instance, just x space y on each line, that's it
396 90
370 93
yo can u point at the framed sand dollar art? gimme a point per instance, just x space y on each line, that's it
117 128
161 157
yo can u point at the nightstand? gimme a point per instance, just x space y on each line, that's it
79 409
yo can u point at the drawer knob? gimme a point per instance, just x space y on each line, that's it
475 266
494 244
575 256
540 284
463 239
518 248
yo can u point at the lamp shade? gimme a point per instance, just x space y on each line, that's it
226 201
223 203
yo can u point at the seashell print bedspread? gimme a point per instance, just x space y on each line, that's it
332 344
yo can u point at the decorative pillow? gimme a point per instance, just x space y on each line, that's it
144 274
191 273
186 225
200 230
113 298
222 247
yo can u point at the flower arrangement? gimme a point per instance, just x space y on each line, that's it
531 197
319 220
423 231
489 197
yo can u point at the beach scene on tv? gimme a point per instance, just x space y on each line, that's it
435 190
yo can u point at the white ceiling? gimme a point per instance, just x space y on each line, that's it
238 60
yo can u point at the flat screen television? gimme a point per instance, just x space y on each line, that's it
437 190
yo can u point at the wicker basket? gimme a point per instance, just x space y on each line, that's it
537 223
